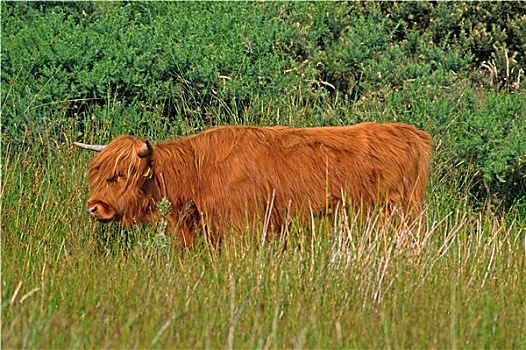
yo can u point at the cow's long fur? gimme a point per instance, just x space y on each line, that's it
229 178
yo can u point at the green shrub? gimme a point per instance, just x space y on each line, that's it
97 69
491 138
492 32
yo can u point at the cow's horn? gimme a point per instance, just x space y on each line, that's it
97 148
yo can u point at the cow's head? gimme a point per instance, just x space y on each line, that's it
117 178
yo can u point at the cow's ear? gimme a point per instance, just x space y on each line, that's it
145 149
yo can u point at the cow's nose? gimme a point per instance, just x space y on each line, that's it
91 210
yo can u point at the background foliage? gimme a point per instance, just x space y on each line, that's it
159 69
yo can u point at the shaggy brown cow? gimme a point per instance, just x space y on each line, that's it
234 178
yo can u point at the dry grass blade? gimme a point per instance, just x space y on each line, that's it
13 298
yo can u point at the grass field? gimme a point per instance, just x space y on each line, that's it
456 281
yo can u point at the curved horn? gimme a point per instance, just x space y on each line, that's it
97 148
145 150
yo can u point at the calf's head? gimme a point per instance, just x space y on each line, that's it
117 178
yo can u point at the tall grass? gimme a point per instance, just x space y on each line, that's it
454 280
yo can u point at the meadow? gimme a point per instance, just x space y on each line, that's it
455 280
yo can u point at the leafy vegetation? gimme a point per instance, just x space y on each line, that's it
89 71
131 68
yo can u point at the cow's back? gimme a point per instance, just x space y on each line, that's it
245 173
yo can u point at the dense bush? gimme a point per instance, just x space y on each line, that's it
96 69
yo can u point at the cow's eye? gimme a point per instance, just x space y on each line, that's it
117 177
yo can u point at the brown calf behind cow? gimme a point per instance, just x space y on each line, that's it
229 179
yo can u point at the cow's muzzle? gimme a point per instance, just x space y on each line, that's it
100 212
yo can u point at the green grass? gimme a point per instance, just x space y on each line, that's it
455 281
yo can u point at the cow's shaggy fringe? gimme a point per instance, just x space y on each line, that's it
228 178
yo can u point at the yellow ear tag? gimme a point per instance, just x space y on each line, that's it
148 173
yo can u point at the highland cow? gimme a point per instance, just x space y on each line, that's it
232 179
